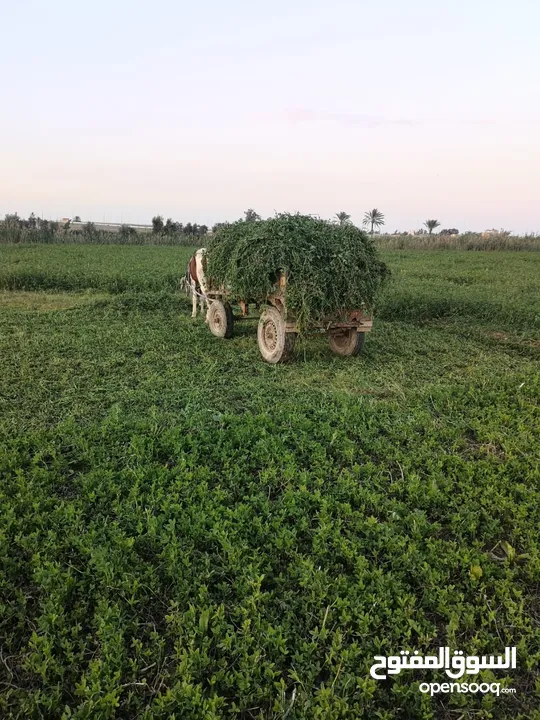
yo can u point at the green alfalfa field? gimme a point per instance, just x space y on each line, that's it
188 532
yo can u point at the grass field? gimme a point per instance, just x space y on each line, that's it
188 532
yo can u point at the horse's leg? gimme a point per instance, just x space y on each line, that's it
202 285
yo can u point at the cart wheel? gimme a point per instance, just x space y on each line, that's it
346 342
275 344
220 319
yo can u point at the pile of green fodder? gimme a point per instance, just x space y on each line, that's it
330 268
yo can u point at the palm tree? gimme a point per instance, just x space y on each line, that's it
343 217
374 218
431 225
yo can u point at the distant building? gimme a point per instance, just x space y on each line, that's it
110 227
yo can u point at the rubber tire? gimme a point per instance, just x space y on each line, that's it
220 319
346 343
275 345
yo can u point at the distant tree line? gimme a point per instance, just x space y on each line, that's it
160 227
32 223
15 229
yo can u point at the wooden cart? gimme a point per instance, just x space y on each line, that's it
277 330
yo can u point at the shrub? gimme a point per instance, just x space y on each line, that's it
126 232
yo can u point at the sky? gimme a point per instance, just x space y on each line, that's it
117 111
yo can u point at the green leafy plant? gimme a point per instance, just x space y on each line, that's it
188 532
330 268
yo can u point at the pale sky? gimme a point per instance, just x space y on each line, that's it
122 110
